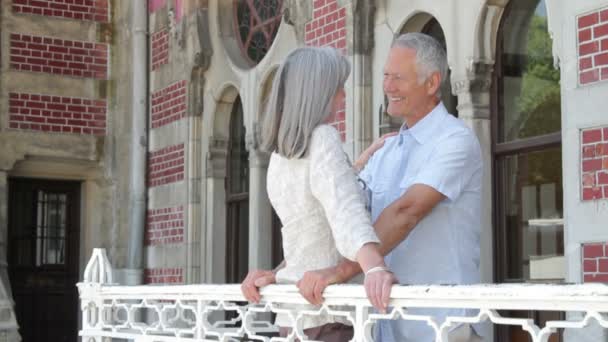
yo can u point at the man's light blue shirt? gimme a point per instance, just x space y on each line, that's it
442 152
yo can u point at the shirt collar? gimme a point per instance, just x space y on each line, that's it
424 129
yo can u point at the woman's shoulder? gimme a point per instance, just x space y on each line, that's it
325 140
325 132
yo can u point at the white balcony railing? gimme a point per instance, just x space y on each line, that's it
197 312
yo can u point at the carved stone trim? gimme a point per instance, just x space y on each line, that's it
478 79
216 157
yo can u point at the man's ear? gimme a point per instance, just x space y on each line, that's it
433 83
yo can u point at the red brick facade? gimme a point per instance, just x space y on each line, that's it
593 46
166 165
91 10
154 5
47 113
328 28
168 104
594 166
163 276
58 56
165 226
595 262
160 49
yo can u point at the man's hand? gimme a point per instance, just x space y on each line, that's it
254 280
313 283
378 288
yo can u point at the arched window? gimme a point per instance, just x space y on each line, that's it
237 199
257 24
527 154
433 29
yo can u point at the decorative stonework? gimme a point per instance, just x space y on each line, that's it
594 163
595 262
163 276
166 165
592 43
165 226
57 114
168 104
91 10
58 56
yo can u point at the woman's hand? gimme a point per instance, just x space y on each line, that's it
254 281
375 146
378 286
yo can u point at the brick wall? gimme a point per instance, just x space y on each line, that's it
163 276
91 10
595 262
165 226
168 104
154 5
58 56
593 46
328 28
594 163
160 49
166 165
58 114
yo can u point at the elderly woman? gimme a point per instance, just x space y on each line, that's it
313 187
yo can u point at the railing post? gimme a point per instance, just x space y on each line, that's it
361 334
98 272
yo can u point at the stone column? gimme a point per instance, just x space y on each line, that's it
473 93
215 249
260 210
7 313
363 44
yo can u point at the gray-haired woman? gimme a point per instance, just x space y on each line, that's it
313 187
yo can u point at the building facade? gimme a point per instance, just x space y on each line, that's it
135 126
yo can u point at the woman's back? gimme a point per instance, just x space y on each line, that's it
320 205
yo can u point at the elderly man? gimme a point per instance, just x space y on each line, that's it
425 190
424 185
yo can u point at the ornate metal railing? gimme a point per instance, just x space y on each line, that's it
219 313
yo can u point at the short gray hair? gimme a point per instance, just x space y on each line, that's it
430 55
301 98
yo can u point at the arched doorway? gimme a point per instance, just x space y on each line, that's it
527 157
237 198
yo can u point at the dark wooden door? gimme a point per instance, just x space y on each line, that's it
43 257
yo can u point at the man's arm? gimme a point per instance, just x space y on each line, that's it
396 222
392 226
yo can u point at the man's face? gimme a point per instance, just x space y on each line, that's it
407 98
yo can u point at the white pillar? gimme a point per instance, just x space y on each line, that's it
8 323
260 210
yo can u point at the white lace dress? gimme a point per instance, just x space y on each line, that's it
322 209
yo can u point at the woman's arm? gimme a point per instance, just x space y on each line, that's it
360 163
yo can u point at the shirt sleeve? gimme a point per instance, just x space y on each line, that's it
452 164
333 183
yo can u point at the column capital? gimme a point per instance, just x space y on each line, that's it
477 78
216 157
257 157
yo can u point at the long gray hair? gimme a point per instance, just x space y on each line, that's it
301 98
430 55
